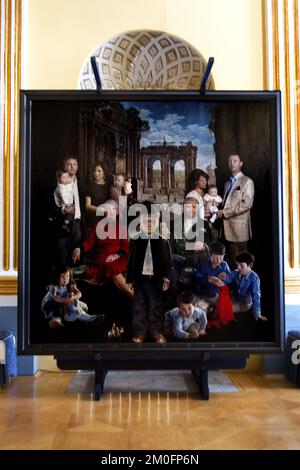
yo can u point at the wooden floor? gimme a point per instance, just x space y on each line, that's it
36 413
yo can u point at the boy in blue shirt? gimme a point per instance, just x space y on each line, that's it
246 287
212 274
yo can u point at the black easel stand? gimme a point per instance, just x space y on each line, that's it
100 375
96 73
209 65
199 363
101 363
201 378
195 363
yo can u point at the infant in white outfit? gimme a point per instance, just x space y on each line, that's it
64 196
212 201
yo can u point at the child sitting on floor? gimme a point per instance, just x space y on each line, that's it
212 274
62 300
246 287
185 321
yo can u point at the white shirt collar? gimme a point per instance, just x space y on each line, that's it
238 175
188 224
77 214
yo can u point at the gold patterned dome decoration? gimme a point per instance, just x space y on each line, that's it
140 60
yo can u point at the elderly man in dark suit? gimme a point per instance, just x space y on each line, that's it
189 244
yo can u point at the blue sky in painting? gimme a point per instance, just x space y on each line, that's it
177 122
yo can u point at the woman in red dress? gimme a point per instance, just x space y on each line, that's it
110 257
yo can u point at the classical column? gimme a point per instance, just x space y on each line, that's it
86 142
144 174
172 170
135 155
149 175
138 158
128 172
130 155
164 173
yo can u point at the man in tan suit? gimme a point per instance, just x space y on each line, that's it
237 202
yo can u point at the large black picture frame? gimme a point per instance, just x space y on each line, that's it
275 215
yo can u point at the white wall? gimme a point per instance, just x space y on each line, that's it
62 33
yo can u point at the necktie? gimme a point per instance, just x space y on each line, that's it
232 180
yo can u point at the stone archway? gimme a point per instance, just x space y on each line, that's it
178 176
156 175
150 164
168 154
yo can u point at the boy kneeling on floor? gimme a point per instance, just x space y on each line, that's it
185 321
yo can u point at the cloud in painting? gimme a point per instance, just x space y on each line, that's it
171 128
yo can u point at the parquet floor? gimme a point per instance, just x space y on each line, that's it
36 413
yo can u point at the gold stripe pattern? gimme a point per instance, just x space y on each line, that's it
284 53
297 110
275 40
8 285
287 140
6 135
264 43
17 86
10 74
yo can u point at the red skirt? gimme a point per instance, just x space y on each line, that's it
102 272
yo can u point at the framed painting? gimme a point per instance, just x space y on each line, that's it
150 221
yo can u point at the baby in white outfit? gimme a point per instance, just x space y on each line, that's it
212 201
64 196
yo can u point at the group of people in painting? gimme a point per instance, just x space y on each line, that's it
179 283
